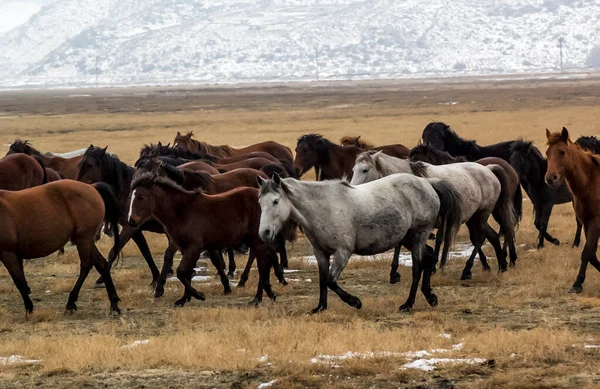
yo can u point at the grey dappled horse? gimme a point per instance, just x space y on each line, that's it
480 190
339 219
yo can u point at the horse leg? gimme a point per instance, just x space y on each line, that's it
483 260
394 275
102 267
545 220
15 269
167 269
246 273
476 227
592 233
185 270
283 261
577 239
266 257
216 261
323 263
340 260
416 250
140 241
494 239
436 250
126 234
232 265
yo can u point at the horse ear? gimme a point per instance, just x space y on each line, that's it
168 144
276 179
159 144
104 150
178 133
261 181
358 137
564 134
91 146
548 133
377 154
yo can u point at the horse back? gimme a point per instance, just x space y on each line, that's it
279 151
238 178
395 150
20 171
507 167
67 167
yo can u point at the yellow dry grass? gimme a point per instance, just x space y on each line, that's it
523 320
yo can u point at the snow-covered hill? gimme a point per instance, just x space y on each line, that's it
69 42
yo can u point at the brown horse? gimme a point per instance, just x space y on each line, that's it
188 218
397 150
38 221
67 167
581 170
53 175
277 150
330 161
21 171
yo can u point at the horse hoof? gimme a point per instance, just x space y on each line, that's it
502 269
227 291
512 264
158 293
576 289
318 309
273 297
406 307
356 303
394 278
433 270
179 303
199 296
241 284
70 309
255 302
465 277
487 268
432 300
283 282
115 311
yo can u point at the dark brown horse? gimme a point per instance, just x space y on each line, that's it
330 161
188 218
581 170
38 221
277 150
427 153
397 150
67 167
21 171
221 183
53 175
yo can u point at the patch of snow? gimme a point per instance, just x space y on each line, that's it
263 358
266 384
591 346
447 336
429 364
449 103
299 280
14 359
194 278
288 271
135 344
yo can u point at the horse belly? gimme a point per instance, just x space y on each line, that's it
43 238
380 234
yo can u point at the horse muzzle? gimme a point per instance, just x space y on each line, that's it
552 180
267 235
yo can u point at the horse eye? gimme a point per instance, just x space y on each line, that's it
562 152
276 201
365 170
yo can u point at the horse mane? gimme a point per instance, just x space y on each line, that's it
440 155
589 143
23 146
148 179
357 141
419 169
450 136
319 143
114 172
159 150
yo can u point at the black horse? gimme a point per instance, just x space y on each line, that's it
531 166
589 143
442 137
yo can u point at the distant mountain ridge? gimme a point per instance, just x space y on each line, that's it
76 42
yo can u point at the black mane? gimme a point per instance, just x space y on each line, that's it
24 147
589 143
114 172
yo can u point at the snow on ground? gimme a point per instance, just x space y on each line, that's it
135 344
14 359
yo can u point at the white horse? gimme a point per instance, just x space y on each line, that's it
480 189
339 219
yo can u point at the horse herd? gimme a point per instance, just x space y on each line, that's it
366 200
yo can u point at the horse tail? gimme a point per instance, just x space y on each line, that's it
518 205
450 213
112 213
41 162
504 211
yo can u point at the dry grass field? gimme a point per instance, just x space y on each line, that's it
529 331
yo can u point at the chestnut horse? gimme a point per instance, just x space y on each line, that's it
21 171
38 221
277 150
67 167
393 149
188 218
252 163
330 161
581 170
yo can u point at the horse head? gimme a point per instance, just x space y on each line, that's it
91 165
367 168
23 147
559 157
183 141
311 150
275 207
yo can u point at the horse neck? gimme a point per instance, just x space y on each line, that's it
339 161
118 175
581 173
301 213
391 165
469 149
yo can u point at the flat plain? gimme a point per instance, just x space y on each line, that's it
522 323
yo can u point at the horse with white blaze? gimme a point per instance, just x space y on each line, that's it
340 219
